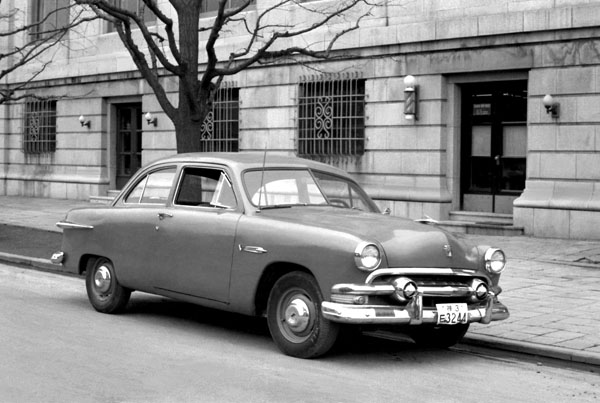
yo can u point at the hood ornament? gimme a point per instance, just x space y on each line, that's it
448 250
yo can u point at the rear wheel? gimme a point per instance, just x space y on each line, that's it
104 291
438 336
295 320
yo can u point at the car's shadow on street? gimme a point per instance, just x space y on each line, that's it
351 343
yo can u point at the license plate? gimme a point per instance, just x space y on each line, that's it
452 314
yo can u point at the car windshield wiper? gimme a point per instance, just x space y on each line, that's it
276 206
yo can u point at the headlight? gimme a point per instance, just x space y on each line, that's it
367 256
495 261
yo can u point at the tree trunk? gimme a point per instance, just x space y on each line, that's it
187 132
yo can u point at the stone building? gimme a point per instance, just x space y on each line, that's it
504 119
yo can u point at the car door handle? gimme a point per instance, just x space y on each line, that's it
162 216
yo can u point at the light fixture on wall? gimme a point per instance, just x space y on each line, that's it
552 107
151 120
410 98
84 121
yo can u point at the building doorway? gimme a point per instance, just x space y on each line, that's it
128 141
494 145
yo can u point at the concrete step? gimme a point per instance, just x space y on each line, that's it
110 196
469 222
466 227
481 218
101 199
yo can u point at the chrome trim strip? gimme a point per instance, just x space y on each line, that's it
72 225
252 249
388 289
432 271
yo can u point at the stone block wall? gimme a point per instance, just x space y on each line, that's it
562 195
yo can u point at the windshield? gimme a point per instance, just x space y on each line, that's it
277 188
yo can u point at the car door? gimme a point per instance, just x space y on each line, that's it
197 235
129 231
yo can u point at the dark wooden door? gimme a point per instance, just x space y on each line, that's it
129 141
494 145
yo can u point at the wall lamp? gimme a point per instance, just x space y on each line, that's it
84 121
151 120
552 107
410 98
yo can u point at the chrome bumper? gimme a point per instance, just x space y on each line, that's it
412 313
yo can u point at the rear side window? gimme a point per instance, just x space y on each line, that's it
153 188
207 187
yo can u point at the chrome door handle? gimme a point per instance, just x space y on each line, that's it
162 216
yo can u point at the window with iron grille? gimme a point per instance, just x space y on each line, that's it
211 6
49 15
39 127
331 118
220 130
137 7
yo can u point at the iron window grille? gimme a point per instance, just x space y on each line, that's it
220 129
137 7
39 127
331 117
210 7
48 16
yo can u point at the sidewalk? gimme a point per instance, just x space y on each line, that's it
551 286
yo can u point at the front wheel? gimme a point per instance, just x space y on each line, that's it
295 320
104 291
438 336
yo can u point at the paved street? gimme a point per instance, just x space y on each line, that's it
551 286
56 348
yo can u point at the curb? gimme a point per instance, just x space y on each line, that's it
38 263
524 347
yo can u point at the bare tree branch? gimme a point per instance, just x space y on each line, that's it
40 42
270 35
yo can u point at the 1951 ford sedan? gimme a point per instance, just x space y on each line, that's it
292 239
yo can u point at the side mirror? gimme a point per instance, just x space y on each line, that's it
387 211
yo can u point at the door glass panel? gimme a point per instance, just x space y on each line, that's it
514 140
513 174
482 171
481 144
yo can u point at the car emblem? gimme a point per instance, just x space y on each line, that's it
448 250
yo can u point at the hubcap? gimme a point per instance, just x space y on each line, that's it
297 315
102 279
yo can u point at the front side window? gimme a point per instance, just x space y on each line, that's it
153 188
48 16
220 130
137 7
39 127
205 187
331 118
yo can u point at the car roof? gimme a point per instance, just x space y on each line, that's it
250 160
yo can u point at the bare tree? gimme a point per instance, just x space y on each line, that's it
173 47
26 40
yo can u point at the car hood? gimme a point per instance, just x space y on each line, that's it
406 243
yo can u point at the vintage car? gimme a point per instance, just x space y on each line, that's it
295 240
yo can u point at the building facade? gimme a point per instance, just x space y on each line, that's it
476 131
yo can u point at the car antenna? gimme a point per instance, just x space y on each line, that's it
262 178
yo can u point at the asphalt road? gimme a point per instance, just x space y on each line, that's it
56 348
